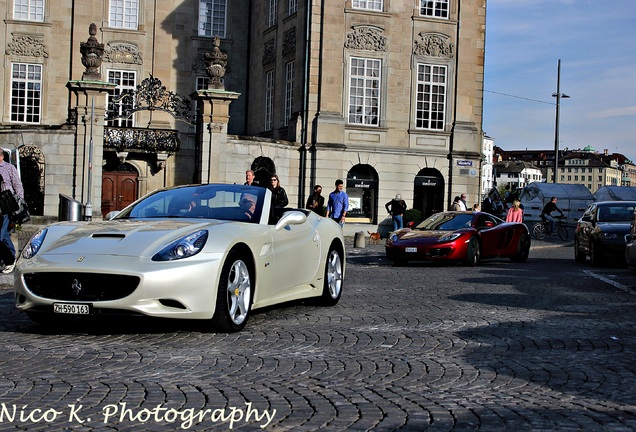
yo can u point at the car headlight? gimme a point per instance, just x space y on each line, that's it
185 247
609 236
34 244
449 237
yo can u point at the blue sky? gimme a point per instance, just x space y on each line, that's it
596 42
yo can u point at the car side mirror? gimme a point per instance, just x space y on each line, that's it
290 218
111 215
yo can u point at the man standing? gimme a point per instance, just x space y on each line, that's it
462 203
338 204
249 178
10 181
396 208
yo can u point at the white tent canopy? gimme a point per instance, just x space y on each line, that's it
572 199
615 193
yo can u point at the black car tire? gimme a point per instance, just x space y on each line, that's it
473 252
523 249
235 284
332 287
579 255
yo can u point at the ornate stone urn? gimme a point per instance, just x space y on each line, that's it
92 52
215 63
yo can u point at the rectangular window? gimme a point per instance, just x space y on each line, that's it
29 10
273 13
124 14
435 8
126 82
292 7
364 91
589 178
367 4
201 84
600 178
212 18
26 92
431 97
290 70
269 100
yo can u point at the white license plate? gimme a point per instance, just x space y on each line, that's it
71 308
410 249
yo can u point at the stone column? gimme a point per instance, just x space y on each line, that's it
91 107
213 137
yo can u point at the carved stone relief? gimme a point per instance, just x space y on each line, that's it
434 45
122 53
289 41
269 52
366 38
27 46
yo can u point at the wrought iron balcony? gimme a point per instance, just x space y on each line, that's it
143 140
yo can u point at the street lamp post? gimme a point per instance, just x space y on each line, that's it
558 95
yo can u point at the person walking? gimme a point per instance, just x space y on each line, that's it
455 206
10 180
515 213
462 203
316 202
396 208
338 203
279 196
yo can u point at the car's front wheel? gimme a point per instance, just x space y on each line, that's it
473 252
332 287
579 255
234 295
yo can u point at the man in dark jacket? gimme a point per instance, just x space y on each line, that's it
546 213
396 208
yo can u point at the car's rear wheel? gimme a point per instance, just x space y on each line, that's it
332 287
595 257
523 249
234 295
579 255
473 252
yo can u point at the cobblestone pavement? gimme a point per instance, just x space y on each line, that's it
545 345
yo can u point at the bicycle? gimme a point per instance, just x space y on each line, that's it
541 229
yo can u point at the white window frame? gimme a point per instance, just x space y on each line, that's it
26 93
365 84
269 100
375 5
290 72
28 10
292 7
213 18
431 96
117 77
435 8
272 13
124 14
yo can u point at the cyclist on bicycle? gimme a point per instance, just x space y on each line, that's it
546 214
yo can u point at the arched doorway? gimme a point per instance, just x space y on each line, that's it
32 176
362 189
428 192
263 168
119 188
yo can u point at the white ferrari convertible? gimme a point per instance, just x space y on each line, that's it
212 252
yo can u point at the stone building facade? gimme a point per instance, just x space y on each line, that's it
385 94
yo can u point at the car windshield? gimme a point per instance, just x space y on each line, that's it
615 213
226 202
447 221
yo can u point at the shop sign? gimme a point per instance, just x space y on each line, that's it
428 181
362 184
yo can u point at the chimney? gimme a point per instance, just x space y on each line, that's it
605 152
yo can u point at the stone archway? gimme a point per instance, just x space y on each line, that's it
362 189
32 176
428 192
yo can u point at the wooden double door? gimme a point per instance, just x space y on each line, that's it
119 189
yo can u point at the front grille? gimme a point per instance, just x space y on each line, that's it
438 252
80 286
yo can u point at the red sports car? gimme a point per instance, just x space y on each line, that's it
459 236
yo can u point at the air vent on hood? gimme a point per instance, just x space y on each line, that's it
110 235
